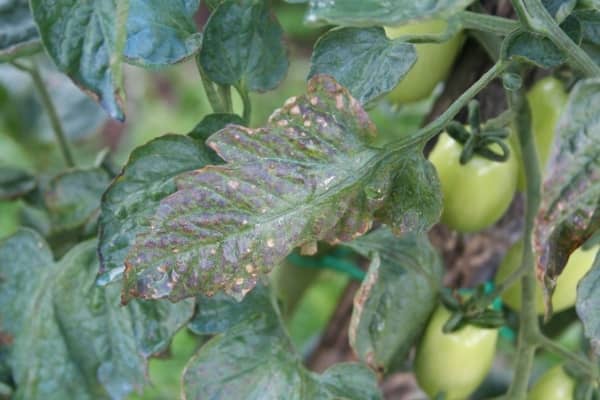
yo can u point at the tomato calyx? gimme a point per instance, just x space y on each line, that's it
479 139
470 307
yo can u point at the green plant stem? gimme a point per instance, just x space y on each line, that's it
434 127
246 102
534 14
583 364
487 23
57 128
528 328
225 92
211 93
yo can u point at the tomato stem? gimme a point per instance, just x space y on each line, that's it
211 93
57 127
529 328
584 365
434 127
487 23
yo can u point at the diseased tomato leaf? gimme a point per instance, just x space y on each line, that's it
70 338
161 32
363 60
73 198
85 40
18 34
380 12
588 304
570 209
255 360
297 180
130 201
306 176
396 298
242 46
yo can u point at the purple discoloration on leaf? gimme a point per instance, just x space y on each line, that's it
570 210
297 180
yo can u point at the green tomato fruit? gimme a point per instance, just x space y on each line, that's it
564 295
453 363
547 98
434 60
477 194
555 384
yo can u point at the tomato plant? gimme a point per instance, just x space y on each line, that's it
248 228
477 194
434 60
553 385
453 363
564 296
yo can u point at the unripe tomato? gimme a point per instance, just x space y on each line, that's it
564 295
555 384
547 98
434 60
454 363
477 194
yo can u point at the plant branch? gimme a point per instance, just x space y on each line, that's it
211 93
534 14
434 127
57 128
583 364
225 92
246 102
487 23
529 328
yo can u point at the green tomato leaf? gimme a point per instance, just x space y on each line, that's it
538 49
211 124
85 40
242 46
15 183
297 180
132 198
79 115
590 24
559 9
161 32
70 338
18 34
570 209
415 199
396 298
588 303
220 312
255 360
363 60
73 198
380 12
